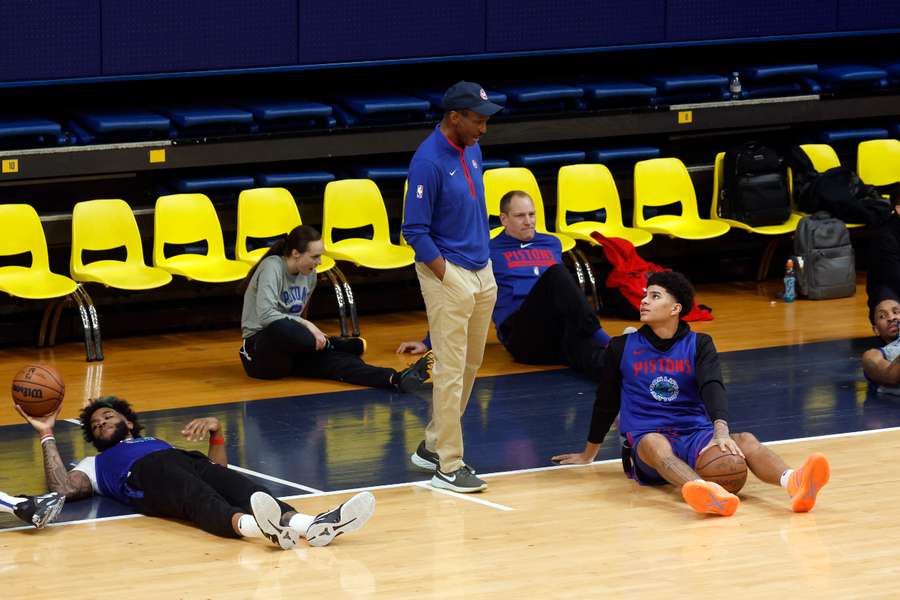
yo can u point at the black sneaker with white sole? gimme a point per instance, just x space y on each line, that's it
462 480
40 510
425 459
349 516
268 516
417 375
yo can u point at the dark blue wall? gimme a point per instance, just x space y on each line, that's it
49 39
188 35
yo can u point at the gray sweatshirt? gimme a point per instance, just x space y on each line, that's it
274 294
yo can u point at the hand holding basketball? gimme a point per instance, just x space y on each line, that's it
38 390
41 424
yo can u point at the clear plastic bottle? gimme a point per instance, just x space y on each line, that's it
790 282
734 86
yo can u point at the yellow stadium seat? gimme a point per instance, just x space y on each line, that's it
664 181
105 225
182 219
878 162
823 157
499 181
588 188
788 226
267 213
21 232
355 203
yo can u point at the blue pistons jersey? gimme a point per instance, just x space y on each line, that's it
659 388
114 464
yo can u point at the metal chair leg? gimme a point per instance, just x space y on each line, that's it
339 299
86 324
95 322
351 303
592 281
54 321
765 261
45 321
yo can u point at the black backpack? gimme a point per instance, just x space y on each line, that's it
824 257
754 190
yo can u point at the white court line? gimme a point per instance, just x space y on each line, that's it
299 486
73 421
459 496
83 521
499 474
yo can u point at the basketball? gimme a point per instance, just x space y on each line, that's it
38 389
728 470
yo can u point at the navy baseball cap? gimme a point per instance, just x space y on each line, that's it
465 95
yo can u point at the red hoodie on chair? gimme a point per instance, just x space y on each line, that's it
630 271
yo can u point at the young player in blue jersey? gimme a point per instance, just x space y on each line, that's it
881 366
159 480
541 316
666 381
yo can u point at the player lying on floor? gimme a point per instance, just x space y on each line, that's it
162 481
881 366
667 381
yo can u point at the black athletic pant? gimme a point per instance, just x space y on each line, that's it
187 485
554 325
287 347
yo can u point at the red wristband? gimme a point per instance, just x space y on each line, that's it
217 440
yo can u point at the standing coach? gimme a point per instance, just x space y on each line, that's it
445 221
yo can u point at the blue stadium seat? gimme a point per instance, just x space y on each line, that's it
190 185
381 173
375 108
117 125
859 134
286 115
493 163
536 160
30 132
895 130
292 178
626 154
209 120
541 97
768 81
696 87
616 93
842 77
436 97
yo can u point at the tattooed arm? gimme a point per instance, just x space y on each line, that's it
73 484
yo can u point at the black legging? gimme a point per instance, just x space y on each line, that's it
287 347
187 485
554 325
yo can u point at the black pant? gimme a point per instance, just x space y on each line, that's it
186 485
554 325
286 347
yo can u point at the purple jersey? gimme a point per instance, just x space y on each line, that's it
659 388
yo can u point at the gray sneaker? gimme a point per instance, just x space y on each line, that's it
425 458
462 480
417 375
349 516
268 516
40 510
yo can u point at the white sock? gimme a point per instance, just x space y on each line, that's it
785 477
300 523
248 527
8 503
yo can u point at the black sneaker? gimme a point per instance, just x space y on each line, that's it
40 510
462 480
349 516
425 458
350 345
417 375
268 516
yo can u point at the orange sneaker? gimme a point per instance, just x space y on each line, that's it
709 497
807 481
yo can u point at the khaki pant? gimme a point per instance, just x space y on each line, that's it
459 313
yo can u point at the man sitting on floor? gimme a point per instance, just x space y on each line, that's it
667 381
159 480
881 366
541 315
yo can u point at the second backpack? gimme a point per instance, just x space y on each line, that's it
754 188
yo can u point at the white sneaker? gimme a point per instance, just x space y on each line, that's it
349 516
268 516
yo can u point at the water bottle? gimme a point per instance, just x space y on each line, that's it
735 86
790 282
